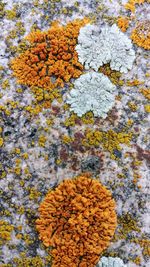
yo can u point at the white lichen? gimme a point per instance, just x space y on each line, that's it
106 45
110 262
92 92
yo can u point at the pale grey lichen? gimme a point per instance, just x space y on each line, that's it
92 92
110 262
106 45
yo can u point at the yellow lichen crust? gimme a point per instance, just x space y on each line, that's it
44 98
5 231
51 53
1 141
145 244
77 220
110 140
113 75
132 106
127 224
147 108
141 34
28 262
123 23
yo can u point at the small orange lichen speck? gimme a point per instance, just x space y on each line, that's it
123 23
51 54
131 4
145 92
141 34
77 220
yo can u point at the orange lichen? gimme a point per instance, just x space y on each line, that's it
131 4
134 82
146 92
50 54
123 23
141 34
77 220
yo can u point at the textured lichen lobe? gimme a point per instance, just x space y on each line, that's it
98 46
92 92
78 220
110 262
50 54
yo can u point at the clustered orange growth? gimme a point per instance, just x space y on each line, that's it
145 92
77 220
141 34
131 4
51 53
123 23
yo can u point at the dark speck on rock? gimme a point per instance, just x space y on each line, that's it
117 153
7 133
91 164
53 151
33 131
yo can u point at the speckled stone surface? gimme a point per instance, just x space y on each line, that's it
37 151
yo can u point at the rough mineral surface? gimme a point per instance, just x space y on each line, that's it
91 164
102 45
43 142
92 92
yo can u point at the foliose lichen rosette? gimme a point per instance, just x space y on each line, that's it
92 92
49 54
98 46
77 221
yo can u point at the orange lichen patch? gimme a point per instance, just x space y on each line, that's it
123 23
134 83
77 220
51 54
146 92
141 34
131 4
